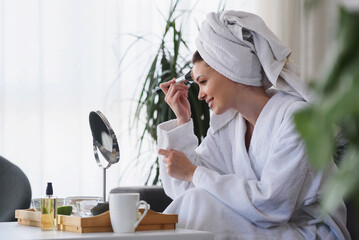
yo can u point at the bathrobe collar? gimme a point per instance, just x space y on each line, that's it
218 121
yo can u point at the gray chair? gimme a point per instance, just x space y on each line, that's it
352 218
153 195
351 204
15 190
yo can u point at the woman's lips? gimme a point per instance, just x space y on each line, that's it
210 103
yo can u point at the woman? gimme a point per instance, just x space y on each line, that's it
249 178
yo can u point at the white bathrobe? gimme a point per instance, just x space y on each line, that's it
267 192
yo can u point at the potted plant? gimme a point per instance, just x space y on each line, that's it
171 59
330 127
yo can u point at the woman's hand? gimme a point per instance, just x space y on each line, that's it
178 165
177 99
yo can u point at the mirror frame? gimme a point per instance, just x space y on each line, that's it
111 157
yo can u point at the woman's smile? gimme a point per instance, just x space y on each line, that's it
210 103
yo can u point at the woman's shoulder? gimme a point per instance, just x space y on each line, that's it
289 103
285 125
282 106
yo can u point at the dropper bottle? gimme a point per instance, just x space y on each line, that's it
48 209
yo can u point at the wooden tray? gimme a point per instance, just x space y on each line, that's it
28 217
100 223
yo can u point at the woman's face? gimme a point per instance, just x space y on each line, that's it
217 90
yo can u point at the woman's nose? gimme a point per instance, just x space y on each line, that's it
201 95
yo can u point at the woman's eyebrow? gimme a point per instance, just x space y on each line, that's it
198 77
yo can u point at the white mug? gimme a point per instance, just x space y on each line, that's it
124 211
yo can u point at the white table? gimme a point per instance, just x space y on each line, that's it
13 230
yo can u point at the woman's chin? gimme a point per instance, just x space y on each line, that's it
217 111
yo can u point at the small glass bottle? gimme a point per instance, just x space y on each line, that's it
48 210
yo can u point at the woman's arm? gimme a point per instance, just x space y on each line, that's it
178 135
180 138
182 143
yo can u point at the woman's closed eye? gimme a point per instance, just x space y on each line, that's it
202 82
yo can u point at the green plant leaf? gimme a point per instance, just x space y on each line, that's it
337 106
311 124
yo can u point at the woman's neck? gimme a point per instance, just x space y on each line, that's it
251 104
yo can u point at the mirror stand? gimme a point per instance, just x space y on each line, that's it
98 161
104 184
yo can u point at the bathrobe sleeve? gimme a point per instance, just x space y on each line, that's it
183 139
179 138
270 200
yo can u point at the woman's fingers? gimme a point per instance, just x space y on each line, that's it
164 86
177 98
178 165
170 84
163 152
174 90
174 97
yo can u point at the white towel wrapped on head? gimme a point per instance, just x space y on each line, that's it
240 46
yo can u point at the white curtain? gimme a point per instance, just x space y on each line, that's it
319 28
57 64
59 60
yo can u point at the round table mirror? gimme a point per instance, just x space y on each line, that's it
105 142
